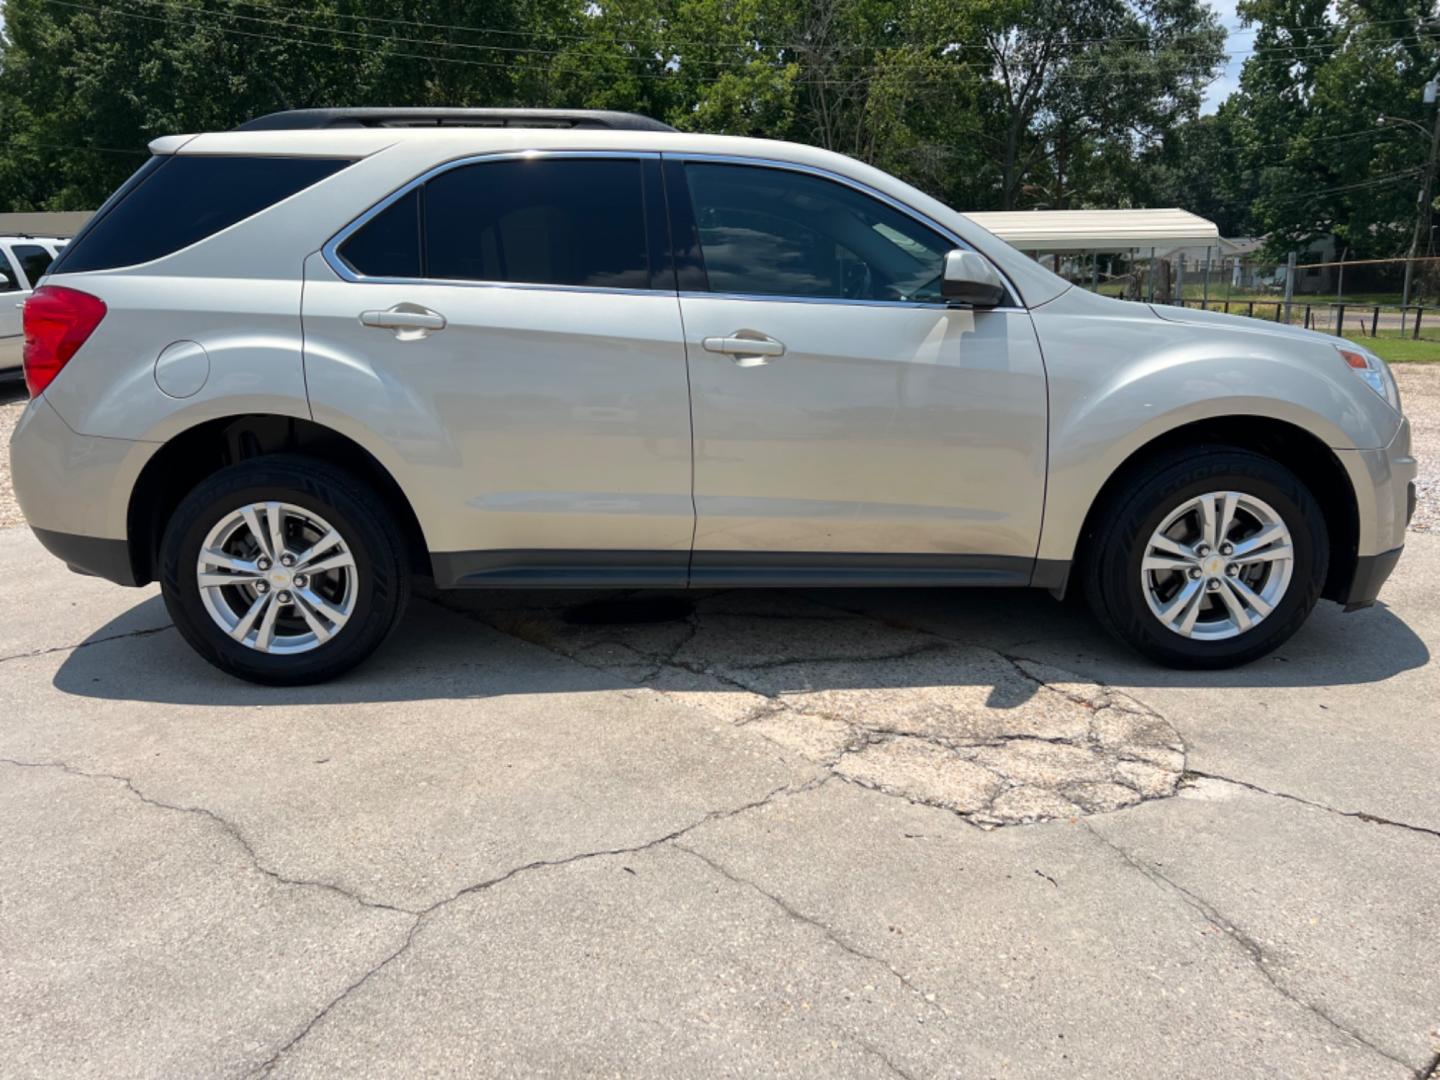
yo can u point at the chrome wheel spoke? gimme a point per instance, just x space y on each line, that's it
323 607
341 561
1235 605
1167 562
324 544
241 630
1209 521
1260 540
1161 542
1180 607
302 605
219 581
223 561
1250 597
262 539
265 636
1227 517
1270 554
275 516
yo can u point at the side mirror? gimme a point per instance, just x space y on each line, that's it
970 279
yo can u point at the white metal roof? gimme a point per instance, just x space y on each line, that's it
1097 230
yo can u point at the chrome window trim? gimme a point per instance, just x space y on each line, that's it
913 305
864 189
330 252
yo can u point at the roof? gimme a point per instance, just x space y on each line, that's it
1097 230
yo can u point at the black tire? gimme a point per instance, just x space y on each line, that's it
1122 527
382 581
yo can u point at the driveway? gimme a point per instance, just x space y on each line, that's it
734 833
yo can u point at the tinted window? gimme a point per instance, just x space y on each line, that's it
8 281
34 261
775 232
185 199
567 221
388 245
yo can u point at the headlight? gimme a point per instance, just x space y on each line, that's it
1374 371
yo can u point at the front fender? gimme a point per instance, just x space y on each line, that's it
1120 378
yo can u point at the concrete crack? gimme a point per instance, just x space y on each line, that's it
828 932
425 914
1244 941
1358 815
226 826
87 643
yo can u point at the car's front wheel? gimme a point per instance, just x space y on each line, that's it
283 570
1209 558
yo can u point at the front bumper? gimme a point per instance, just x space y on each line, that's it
1371 572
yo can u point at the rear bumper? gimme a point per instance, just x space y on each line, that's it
74 490
93 555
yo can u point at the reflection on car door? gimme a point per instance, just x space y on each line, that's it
527 362
849 426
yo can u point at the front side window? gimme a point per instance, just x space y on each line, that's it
537 221
34 261
776 232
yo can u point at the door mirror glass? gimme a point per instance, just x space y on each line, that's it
970 279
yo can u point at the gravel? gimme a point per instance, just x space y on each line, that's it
12 402
1419 390
1420 397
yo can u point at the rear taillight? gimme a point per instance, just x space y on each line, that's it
57 322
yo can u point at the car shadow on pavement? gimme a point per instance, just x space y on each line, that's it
769 643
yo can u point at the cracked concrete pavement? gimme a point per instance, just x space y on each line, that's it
775 834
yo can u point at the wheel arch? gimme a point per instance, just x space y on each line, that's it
190 456
1299 450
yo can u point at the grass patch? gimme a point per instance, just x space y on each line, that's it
1397 350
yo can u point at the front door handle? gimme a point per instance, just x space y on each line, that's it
409 321
748 348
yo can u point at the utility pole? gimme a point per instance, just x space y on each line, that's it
1422 204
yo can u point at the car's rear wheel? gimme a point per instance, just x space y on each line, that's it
1208 558
283 570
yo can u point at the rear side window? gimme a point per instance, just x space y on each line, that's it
184 199
557 221
34 261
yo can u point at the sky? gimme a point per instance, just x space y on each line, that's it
1239 41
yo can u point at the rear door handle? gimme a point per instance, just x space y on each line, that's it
749 348
409 321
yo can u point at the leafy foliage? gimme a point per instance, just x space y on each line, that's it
990 103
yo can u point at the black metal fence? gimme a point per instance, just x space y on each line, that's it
1396 320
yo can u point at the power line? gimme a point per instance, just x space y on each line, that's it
1099 60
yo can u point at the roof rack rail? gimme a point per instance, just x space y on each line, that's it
311 119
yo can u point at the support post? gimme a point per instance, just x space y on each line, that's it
1205 286
1180 280
1289 285
1422 211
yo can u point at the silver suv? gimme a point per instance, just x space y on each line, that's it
288 366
